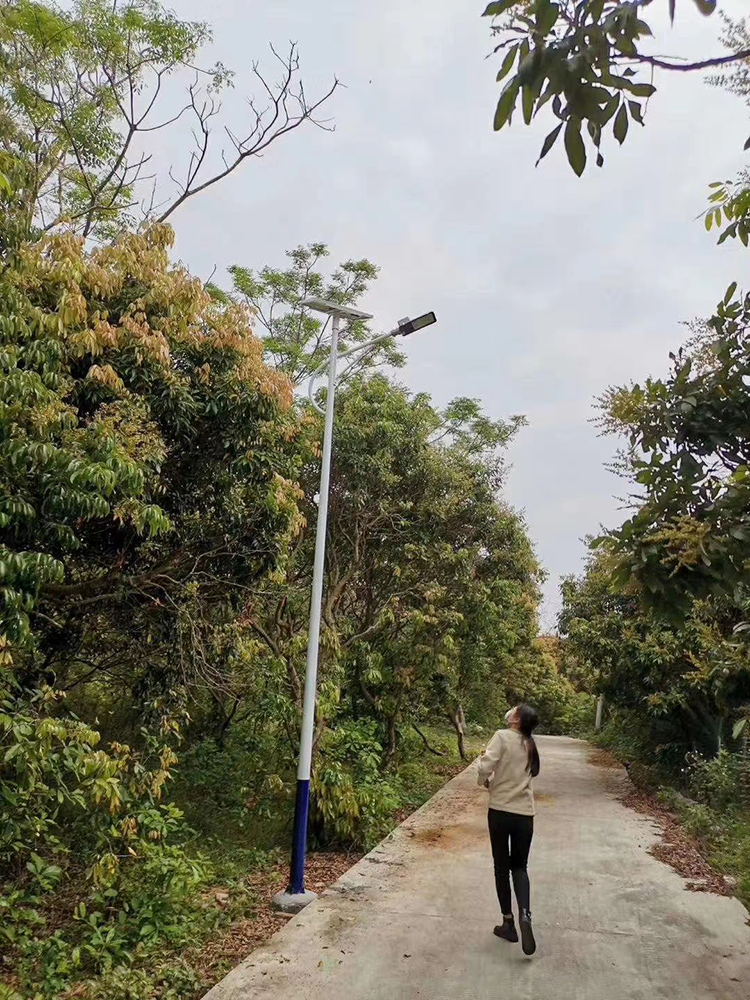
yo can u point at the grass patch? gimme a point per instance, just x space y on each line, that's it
423 773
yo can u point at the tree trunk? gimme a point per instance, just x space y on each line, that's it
225 721
599 712
459 724
392 739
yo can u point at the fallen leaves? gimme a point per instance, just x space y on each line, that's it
234 943
678 849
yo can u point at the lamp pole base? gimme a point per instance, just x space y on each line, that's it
293 902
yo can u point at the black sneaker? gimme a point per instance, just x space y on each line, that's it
527 934
507 931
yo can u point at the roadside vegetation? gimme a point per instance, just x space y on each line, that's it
158 481
659 622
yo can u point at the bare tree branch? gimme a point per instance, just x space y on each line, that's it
690 67
287 110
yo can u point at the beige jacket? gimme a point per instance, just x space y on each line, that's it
503 768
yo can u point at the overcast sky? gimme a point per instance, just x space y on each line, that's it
548 288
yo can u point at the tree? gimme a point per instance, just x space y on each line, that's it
82 93
687 451
583 64
687 677
415 529
147 465
297 341
147 458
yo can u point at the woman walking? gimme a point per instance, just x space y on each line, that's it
507 768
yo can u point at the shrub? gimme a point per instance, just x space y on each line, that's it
721 782
637 737
352 802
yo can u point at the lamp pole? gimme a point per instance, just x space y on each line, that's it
296 896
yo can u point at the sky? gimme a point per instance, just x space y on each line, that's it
548 288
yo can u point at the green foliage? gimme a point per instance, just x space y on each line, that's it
721 782
687 451
729 201
141 441
689 675
157 492
63 798
653 747
157 557
249 813
68 75
173 980
86 91
153 907
143 445
430 581
718 813
296 339
52 775
352 800
582 64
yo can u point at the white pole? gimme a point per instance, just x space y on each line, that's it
599 712
316 601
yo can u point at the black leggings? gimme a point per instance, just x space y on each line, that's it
510 836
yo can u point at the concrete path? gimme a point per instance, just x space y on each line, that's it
414 919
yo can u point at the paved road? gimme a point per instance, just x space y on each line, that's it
414 919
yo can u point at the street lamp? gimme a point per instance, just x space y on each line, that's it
296 896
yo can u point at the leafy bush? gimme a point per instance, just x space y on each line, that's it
155 906
54 779
352 802
168 981
645 740
724 836
699 821
237 788
576 717
65 799
721 782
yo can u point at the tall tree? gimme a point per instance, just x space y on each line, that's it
688 453
415 528
147 454
85 92
296 339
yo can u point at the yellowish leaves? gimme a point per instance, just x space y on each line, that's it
85 342
158 781
129 828
104 871
172 310
685 539
105 375
6 657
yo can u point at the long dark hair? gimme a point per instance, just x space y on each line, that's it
528 720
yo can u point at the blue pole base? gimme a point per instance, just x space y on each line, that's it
299 838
